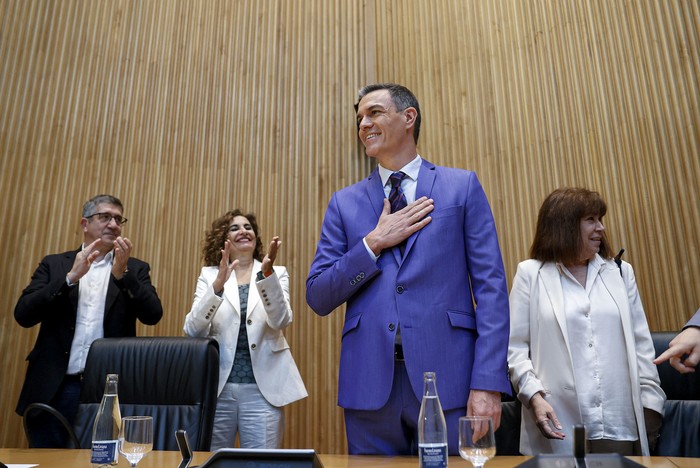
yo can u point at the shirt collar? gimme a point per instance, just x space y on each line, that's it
411 170
595 264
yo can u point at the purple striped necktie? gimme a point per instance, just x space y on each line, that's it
396 196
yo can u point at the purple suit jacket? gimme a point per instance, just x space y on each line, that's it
449 292
694 321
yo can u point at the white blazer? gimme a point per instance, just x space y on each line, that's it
539 358
268 313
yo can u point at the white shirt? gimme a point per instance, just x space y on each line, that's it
598 352
89 322
408 186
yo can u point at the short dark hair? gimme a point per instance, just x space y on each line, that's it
402 98
90 206
558 232
216 236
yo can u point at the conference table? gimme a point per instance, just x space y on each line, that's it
68 458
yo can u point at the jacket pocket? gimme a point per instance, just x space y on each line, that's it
446 212
278 343
462 319
351 323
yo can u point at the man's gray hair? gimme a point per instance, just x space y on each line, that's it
90 206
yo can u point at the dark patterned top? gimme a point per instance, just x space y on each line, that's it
242 371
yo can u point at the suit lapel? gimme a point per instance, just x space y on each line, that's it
231 292
424 188
232 295
551 281
376 195
616 286
375 192
426 180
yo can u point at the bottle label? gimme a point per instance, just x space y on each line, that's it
104 452
433 455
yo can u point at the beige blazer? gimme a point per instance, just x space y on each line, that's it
539 358
268 313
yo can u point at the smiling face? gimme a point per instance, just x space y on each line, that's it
94 229
386 132
242 237
591 236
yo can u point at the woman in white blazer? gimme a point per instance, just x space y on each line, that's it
257 373
580 349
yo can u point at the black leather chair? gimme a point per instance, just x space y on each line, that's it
680 433
36 415
173 379
508 434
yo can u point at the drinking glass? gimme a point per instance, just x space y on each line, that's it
476 441
136 438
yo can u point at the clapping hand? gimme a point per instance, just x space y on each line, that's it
83 260
269 259
225 268
122 252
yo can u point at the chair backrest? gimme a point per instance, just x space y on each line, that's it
173 379
508 434
680 433
38 418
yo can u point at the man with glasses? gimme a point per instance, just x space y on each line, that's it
79 296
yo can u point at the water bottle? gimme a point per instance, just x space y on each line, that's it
432 430
105 432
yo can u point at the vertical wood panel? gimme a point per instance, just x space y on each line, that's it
188 108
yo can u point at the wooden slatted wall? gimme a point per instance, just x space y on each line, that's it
185 109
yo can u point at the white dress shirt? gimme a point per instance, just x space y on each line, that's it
89 322
597 349
408 186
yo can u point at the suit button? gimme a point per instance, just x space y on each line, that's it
249 322
400 289
253 346
392 327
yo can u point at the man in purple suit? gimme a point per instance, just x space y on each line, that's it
413 251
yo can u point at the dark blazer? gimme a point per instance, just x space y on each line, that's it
448 292
49 301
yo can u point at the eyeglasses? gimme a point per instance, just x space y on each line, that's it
105 218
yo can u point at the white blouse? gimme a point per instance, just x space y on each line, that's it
601 370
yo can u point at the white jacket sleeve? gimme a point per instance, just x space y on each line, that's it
274 293
520 368
204 307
